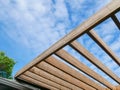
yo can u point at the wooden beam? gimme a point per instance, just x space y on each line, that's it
44 80
73 61
53 78
103 45
117 87
116 21
109 89
100 16
78 47
53 61
49 68
35 82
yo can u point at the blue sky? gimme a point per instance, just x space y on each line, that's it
29 27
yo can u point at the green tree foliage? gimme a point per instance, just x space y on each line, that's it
6 64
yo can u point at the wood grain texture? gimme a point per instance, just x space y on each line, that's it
53 78
117 87
44 80
97 18
73 61
103 45
47 67
35 82
60 65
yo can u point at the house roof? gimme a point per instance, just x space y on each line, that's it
7 84
49 71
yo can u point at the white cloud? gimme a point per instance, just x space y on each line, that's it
60 9
37 24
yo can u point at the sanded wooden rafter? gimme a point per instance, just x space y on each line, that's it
35 82
60 65
97 18
74 62
78 47
51 69
103 45
53 78
44 80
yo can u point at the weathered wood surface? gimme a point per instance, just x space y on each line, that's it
53 61
53 78
49 68
73 61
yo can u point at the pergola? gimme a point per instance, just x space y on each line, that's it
48 71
